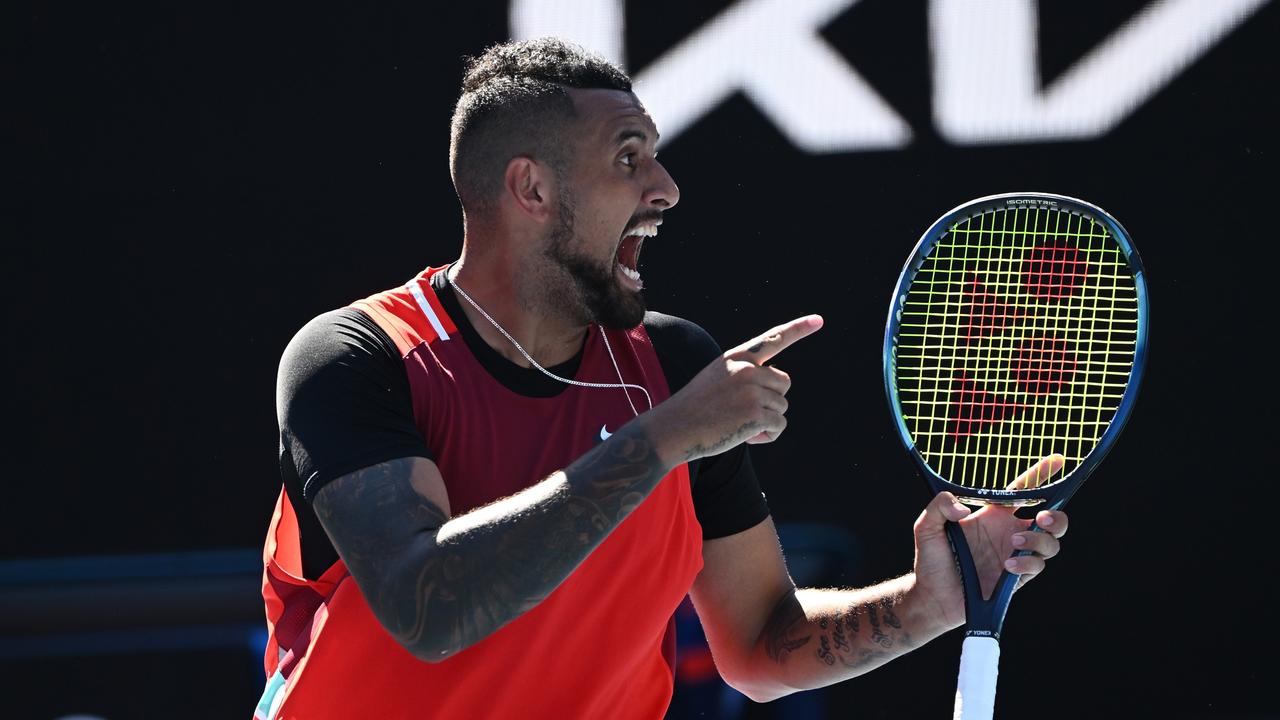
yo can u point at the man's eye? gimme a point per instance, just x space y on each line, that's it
629 160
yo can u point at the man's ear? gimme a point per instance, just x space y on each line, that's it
531 185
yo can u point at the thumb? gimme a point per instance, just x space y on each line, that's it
1039 474
943 508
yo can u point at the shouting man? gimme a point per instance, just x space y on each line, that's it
501 479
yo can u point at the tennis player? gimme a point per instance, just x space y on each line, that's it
501 478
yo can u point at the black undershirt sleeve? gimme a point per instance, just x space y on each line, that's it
343 403
726 493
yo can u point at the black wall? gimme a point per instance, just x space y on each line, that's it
196 183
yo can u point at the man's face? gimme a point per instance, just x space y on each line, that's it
611 198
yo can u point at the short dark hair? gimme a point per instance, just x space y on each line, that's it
515 101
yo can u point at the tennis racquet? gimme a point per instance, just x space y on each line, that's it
1017 330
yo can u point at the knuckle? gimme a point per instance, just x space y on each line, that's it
783 379
1051 548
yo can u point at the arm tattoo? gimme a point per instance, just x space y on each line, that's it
699 450
857 637
786 629
440 591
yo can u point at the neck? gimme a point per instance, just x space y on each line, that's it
497 284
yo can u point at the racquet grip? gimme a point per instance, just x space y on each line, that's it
976 690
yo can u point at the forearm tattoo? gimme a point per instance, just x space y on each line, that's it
699 450
438 591
858 637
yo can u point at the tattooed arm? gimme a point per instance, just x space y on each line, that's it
816 637
440 585
770 639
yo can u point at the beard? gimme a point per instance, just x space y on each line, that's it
594 295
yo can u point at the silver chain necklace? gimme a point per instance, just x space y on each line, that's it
620 384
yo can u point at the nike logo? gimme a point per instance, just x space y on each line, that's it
604 434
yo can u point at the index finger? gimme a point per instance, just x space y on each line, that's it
764 347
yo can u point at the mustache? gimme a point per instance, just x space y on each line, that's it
642 218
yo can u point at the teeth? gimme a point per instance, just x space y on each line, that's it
647 230
633 274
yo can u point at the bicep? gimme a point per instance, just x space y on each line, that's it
383 520
743 577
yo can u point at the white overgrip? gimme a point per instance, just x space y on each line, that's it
976 690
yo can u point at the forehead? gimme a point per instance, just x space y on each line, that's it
604 115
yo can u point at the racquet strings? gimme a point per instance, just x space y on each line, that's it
1017 338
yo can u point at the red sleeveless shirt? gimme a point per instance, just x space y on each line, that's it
601 645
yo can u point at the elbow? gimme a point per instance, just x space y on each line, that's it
760 692
754 693
429 648
431 632
428 642
757 689
431 655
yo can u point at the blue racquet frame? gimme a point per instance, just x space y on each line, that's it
985 618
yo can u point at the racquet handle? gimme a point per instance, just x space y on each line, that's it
976 690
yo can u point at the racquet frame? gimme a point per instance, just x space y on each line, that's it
985 617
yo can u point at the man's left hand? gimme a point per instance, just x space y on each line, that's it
994 533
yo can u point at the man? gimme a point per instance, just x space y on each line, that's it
502 478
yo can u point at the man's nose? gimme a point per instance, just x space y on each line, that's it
663 191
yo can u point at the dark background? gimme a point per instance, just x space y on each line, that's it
194 182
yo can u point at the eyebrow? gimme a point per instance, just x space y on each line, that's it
640 135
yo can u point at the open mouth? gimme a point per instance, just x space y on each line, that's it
628 259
